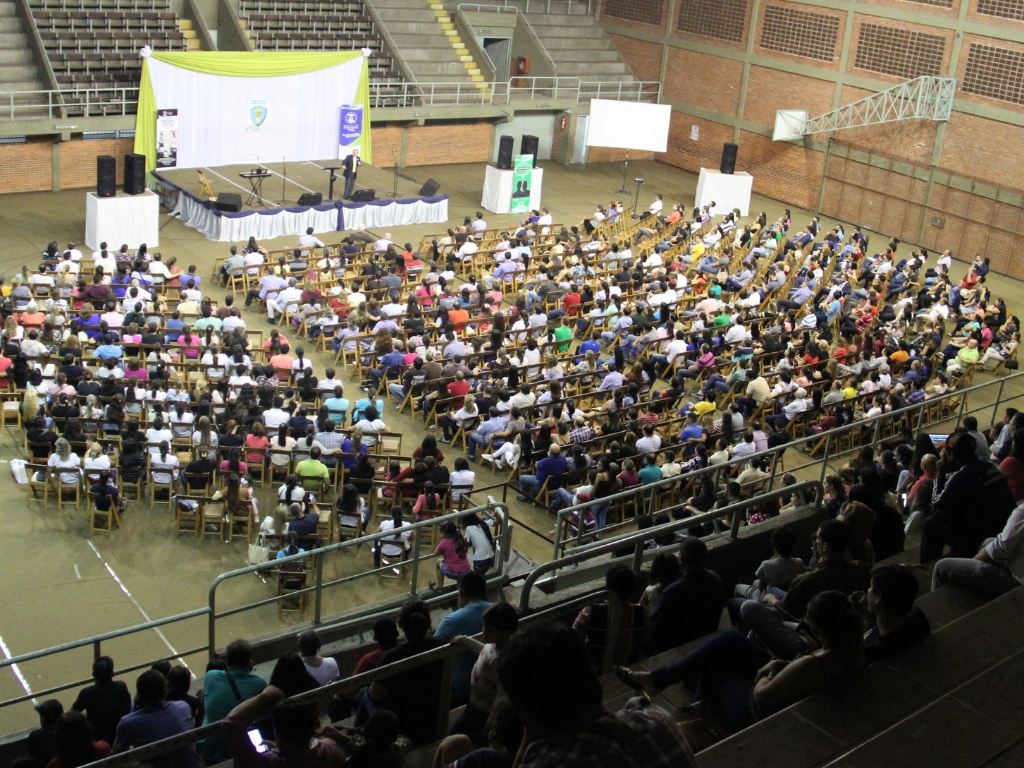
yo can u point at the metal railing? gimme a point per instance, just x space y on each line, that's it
384 95
80 102
520 19
539 6
323 695
815 462
640 538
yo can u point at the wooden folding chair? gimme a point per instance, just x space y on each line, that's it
102 520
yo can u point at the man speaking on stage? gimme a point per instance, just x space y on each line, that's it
350 165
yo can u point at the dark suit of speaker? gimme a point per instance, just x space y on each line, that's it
106 176
530 145
429 189
229 202
506 145
729 158
311 198
363 195
134 174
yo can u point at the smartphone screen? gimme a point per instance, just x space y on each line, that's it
257 740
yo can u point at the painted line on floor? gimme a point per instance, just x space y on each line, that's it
78 573
247 191
131 597
17 672
291 181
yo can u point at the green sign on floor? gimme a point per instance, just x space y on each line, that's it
522 178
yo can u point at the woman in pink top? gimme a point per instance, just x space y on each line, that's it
1012 466
428 504
453 563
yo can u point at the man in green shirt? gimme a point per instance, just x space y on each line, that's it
563 333
223 690
723 318
311 470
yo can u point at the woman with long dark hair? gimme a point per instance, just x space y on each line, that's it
453 563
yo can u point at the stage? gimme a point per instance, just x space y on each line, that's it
275 212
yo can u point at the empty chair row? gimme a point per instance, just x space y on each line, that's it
43 14
307 26
102 5
80 26
299 6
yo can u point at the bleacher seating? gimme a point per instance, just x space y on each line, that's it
334 25
93 45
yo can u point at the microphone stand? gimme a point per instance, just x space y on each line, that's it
624 190
394 159
636 201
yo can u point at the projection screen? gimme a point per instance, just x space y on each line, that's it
629 125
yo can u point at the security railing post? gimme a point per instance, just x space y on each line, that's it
875 432
445 704
415 564
999 400
963 405
318 595
96 650
825 455
211 624
558 534
638 562
614 623
921 410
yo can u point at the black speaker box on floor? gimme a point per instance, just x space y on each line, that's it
530 145
134 174
729 151
311 198
364 195
106 176
506 145
429 188
229 202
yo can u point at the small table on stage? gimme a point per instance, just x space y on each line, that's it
255 177
330 185
131 219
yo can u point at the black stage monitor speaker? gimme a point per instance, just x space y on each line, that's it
729 158
229 202
506 145
106 176
429 188
311 198
529 147
134 174
364 195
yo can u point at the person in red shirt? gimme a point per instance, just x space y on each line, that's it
571 303
458 317
385 635
5 363
458 389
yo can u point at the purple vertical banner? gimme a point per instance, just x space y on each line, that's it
351 129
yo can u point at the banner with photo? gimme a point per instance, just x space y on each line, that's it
522 177
166 138
350 133
256 113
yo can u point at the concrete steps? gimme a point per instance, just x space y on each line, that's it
18 71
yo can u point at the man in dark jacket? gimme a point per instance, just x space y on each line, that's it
971 501
690 607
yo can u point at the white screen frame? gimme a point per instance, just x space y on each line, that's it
629 125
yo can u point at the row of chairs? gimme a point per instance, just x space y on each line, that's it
160 6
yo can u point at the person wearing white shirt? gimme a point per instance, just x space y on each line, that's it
76 255
479 226
654 260
465 253
240 378
544 222
276 416
657 205
531 361
68 266
946 260
232 323
309 241
41 278
382 244
157 434
289 297
254 260
736 334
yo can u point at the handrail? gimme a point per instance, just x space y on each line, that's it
520 17
638 538
42 60
193 13
874 422
502 551
396 52
445 654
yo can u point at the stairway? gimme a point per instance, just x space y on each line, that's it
18 71
425 35
578 45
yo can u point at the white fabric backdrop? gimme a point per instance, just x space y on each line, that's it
303 113
280 223
497 194
123 219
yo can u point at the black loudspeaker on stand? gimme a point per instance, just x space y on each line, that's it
506 145
729 151
530 145
429 188
106 176
364 195
311 198
134 174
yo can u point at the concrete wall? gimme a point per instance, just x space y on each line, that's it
728 65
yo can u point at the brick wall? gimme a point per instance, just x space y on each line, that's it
800 33
609 155
26 167
78 160
769 90
912 140
903 59
716 89
983 149
443 144
785 171
384 141
706 151
643 57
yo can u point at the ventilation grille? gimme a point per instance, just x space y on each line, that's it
1004 9
800 33
720 19
997 73
899 52
642 11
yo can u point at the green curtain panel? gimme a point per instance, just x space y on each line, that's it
245 64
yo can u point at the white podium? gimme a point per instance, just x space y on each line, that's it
497 197
122 220
727 190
